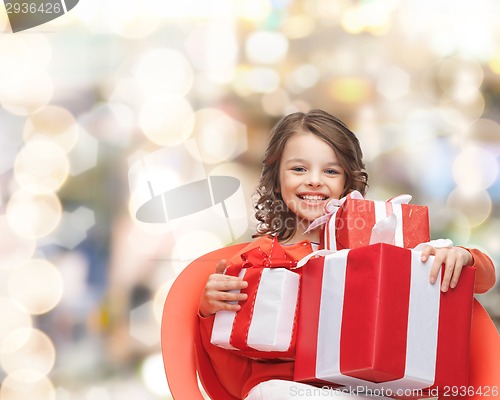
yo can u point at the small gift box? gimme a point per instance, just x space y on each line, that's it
370 320
353 222
265 325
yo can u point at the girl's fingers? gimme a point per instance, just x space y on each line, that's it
426 252
448 270
221 266
456 276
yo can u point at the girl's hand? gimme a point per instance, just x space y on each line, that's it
453 259
216 295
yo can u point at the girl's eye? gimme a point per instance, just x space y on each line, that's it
298 169
331 172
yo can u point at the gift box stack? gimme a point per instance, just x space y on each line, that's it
369 320
366 317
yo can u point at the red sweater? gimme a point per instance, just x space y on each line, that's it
240 374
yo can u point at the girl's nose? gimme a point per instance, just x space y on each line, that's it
314 180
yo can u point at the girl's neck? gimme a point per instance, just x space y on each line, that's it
300 236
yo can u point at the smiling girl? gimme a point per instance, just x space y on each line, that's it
311 159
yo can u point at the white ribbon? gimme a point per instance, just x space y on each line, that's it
331 209
387 228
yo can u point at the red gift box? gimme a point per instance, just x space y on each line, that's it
265 326
355 222
370 319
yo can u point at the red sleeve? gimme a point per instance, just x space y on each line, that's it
485 271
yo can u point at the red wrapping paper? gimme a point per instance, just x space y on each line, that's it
374 322
354 220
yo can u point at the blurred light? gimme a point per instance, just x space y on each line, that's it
393 83
152 175
298 106
262 80
486 131
265 47
494 63
254 10
131 20
196 9
475 169
74 268
475 206
14 249
214 48
163 72
449 223
370 16
27 96
27 348
367 130
73 227
352 21
350 90
52 123
159 299
472 109
303 77
4 22
110 122
143 324
27 384
275 103
26 85
41 167
97 393
218 136
205 243
37 285
84 155
215 202
452 26
23 56
14 317
460 78
166 120
153 375
487 236
33 216
299 26
134 19
124 90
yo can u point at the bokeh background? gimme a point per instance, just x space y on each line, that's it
171 91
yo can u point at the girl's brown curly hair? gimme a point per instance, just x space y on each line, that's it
274 217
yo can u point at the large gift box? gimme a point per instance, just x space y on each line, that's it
265 325
369 319
353 222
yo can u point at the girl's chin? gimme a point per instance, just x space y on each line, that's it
309 218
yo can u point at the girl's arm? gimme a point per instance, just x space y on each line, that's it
453 259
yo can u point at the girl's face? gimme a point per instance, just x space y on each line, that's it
310 175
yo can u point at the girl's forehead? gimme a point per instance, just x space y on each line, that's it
307 145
